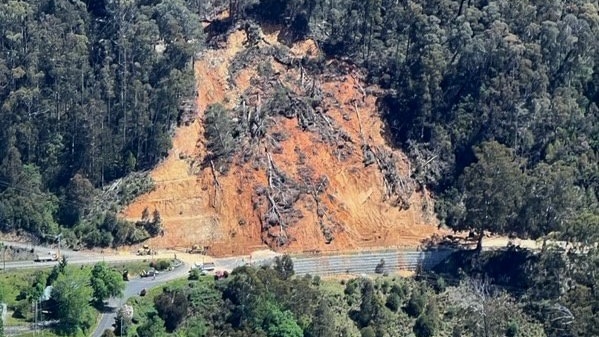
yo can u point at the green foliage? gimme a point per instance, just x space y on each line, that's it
351 287
279 323
491 190
153 327
108 333
367 332
219 132
106 283
368 305
416 304
196 328
194 275
512 330
424 326
284 266
172 307
393 302
323 321
71 294
86 98
161 265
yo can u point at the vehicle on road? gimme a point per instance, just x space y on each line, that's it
46 258
148 273
207 266
143 292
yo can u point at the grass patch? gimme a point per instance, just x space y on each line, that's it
332 287
47 333
134 268
11 284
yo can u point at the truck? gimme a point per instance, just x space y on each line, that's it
46 258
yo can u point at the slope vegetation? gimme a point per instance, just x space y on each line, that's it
308 166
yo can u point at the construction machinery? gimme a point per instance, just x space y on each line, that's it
145 250
196 249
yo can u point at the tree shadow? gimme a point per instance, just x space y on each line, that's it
105 308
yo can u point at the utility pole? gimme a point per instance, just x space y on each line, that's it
3 256
58 237
122 313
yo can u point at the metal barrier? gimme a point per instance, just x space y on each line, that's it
366 262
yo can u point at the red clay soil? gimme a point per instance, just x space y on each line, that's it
195 211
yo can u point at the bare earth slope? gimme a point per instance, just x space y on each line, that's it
322 178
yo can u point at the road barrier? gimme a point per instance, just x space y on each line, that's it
366 262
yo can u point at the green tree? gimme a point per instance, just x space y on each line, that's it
367 331
424 326
368 304
172 306
284 266
106 282
122 322
77 200
416 304
71 294
108 333
2 321
153 327
393 302
281 324
551 201
323 321
219 132
491 192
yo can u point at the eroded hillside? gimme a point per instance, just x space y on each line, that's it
308 166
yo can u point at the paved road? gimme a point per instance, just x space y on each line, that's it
359 263
133 288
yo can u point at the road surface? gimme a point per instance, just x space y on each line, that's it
354 264
133 288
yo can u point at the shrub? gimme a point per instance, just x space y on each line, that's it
172 307
350 287
380 267
399 290
416 304
108 333
162 265
194 274
393 302
440 284
424 326
512 330
367 332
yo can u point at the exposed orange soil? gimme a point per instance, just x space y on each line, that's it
195 211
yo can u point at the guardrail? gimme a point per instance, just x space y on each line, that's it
366 262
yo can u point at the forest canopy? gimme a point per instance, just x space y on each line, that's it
468 81
90 91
